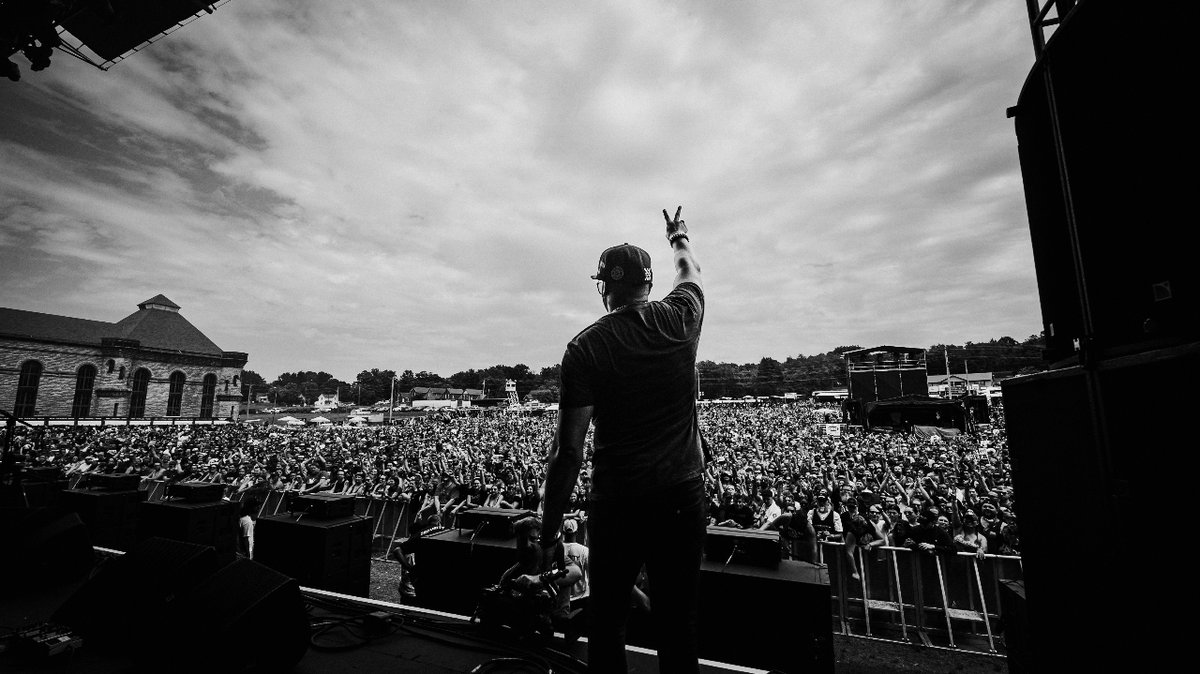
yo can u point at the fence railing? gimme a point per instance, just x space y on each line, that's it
125 421
941 599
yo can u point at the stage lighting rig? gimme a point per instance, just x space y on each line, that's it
97 32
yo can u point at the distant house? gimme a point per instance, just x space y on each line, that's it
434 396
955 385
327 402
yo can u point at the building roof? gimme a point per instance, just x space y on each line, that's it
156 324
968 377
886 349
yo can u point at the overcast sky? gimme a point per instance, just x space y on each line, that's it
427 185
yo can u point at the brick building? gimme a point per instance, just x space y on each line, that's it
151 363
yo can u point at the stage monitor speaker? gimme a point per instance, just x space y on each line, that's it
245 618
324 506
1092 461
196 492
491 522
453 568
329 554
744 546
120 603
130 23
777 619
1098 141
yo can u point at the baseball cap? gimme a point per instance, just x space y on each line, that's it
570 526
625 263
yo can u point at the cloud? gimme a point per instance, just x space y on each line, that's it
428 185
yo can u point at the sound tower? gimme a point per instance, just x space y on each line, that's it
1098 139
1098 130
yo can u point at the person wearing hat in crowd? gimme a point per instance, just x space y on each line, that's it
578 554
633 373
823 522
970 539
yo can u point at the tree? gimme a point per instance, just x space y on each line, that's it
252 378
374 385
768 378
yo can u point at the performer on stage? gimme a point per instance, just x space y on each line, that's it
632 372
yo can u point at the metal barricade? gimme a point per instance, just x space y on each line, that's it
941 600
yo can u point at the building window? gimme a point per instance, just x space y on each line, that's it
85 381
112 364
208 393
175 397
137 399
27 388
121 373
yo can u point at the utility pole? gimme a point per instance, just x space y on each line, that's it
392 400
946 355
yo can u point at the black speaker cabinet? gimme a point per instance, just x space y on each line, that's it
110 516
245 613
1015 627
1100 122
214 524
777 619
453 568
329 554
120 603
43 547
1097 455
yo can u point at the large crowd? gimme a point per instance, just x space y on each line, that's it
771 466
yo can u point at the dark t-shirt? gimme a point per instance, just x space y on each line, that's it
637 367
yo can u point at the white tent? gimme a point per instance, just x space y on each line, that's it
319 420
356 420
287 420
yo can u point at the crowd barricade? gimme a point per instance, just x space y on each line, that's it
942 600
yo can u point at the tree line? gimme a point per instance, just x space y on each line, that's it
801 374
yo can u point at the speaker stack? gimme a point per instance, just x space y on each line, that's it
321 548
108 506
454 566
194 513
1099 126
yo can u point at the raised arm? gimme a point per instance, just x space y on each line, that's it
686 267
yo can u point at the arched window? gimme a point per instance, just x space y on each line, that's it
137 399
121 373
85 381
175 397
111 365
207 394
27 388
